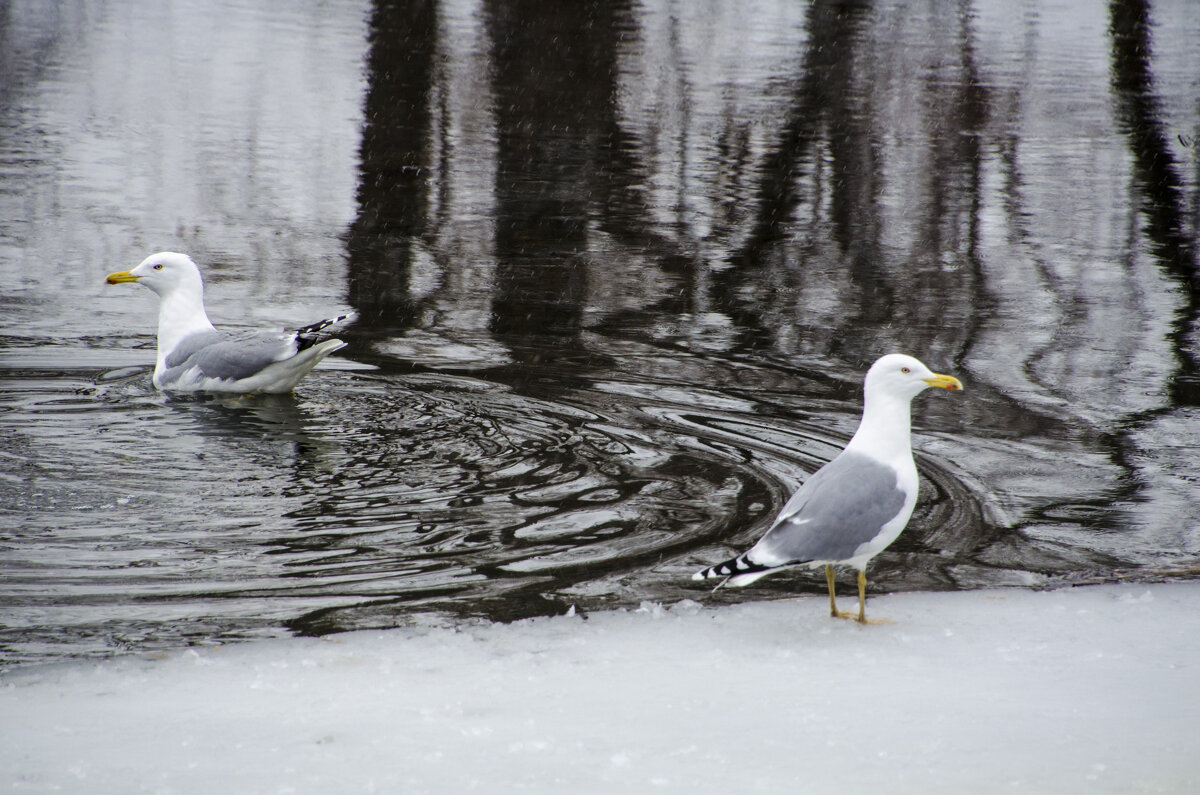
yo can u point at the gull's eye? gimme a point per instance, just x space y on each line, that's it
904 370
158 267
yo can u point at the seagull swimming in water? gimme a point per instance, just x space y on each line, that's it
852 508
193 356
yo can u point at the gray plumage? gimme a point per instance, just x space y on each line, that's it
195 356
220 354
842 506
852 508
234 355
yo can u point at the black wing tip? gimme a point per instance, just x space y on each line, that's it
314 333
321 325
731 568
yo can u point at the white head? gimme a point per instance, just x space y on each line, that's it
180 289
903 377
165 273
891 384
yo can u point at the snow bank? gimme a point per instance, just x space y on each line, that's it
1080 690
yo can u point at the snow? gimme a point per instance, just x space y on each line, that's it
1092 690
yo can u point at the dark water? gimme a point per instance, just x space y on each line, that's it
620 268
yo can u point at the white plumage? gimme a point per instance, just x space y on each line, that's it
193 356
852 508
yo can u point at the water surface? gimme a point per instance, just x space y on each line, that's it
619 270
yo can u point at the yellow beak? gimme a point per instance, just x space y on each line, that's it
939 380
121 277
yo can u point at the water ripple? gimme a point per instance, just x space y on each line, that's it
371 500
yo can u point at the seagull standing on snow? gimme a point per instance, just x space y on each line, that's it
852 508
194 357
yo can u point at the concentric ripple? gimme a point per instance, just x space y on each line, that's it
371 500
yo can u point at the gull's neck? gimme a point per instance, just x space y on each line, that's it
885 432
180 314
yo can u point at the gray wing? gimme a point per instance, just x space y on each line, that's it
840 507
229 355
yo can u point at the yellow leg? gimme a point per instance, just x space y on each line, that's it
862 602
862 596
833 610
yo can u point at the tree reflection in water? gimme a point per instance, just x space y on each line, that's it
621 266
